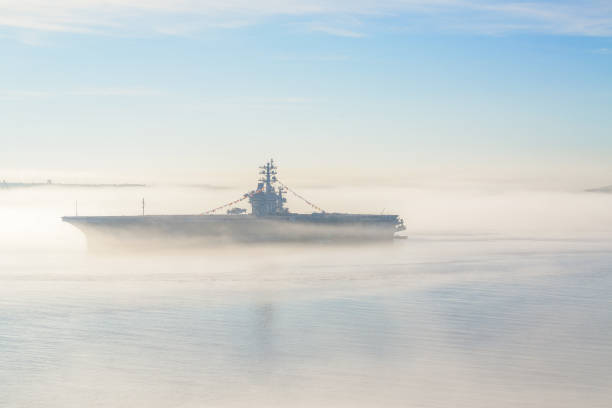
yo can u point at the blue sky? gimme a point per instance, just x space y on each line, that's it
134 88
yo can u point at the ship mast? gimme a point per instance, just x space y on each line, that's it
269 175
267 200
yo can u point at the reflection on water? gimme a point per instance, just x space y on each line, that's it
437 320
527 325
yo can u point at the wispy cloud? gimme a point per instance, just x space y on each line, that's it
604 51
340 32
280 101
314 58
114 92
16 94
290 103
587 18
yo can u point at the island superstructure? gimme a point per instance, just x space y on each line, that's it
269 221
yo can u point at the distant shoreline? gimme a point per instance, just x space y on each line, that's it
605 189
7 185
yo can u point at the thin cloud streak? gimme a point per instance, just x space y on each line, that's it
16 94
590 18
256 104
582 19
314 58
115 92
339 32
603 51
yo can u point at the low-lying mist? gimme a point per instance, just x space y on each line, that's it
495 298
31 217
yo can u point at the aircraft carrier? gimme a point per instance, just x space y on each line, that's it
269 221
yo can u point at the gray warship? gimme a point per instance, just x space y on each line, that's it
269 221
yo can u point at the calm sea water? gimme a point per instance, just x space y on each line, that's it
437 320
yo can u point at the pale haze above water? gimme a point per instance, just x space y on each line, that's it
497 298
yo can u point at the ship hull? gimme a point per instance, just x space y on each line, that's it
198 230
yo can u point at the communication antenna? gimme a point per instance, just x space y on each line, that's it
143 205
